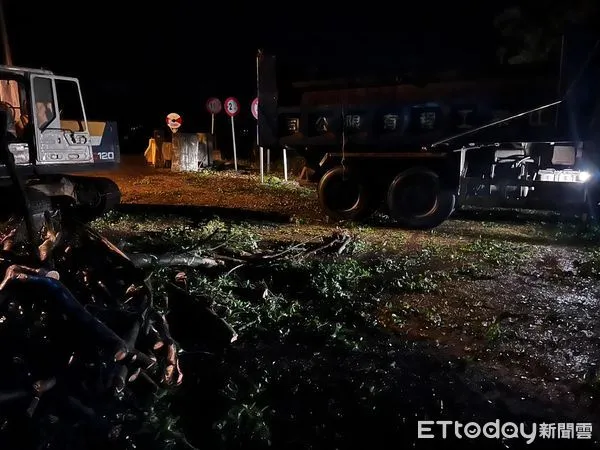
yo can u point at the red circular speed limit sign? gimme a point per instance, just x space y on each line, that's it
232 106
254 108
213 105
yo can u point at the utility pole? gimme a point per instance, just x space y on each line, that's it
4 34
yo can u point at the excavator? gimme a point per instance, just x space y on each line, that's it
51 143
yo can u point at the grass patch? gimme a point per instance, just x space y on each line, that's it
496 253
590 267
571 232
276 183
311 348
493 332
163 234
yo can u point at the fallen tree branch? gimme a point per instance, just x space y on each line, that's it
87 304
172 373
68 305
193 260
336 243
189 312
119 378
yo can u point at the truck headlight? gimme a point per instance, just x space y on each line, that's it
584 176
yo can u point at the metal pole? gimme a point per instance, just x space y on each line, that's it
260 149
285 169
5 44
258 144
268 160
212 124
234 147
262 166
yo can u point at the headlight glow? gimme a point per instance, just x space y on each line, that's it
584 176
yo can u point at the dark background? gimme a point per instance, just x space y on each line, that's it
138 62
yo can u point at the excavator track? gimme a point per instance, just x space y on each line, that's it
85 198
95 196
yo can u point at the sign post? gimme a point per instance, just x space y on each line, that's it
285 169
269 160
232 108
254 109
213 106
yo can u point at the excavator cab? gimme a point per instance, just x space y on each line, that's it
58 100
13 101
47 120
51 139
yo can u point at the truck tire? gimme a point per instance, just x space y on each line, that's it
417 200
343 195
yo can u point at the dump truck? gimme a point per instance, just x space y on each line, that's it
423 151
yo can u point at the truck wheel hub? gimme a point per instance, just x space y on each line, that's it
345 194
418 196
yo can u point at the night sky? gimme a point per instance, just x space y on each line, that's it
136 64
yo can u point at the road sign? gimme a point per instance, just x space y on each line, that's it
254 108
232 106
174 122
213 105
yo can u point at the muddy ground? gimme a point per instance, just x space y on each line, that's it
509 303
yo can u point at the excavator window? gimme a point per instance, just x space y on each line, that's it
12 100
44 101
69 104
58 104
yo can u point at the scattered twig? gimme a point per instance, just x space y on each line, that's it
345 243
97 307
234 269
